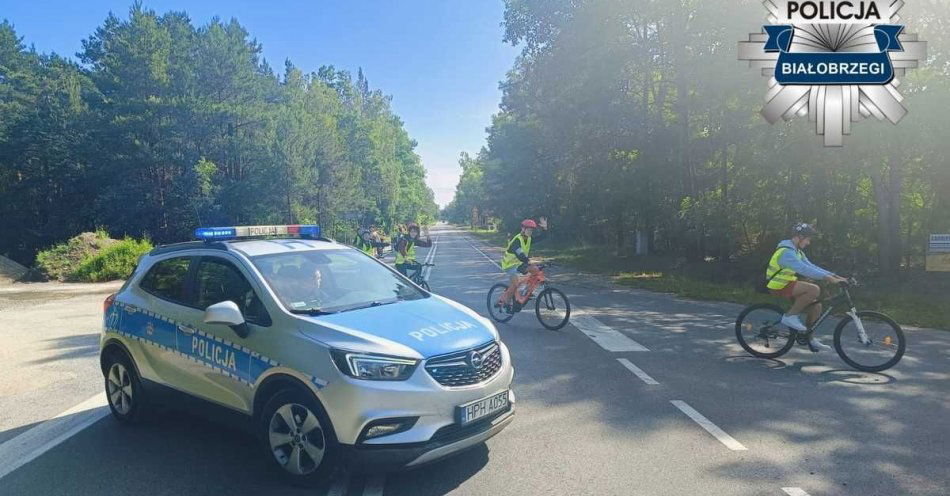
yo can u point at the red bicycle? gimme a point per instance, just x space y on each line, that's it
551 306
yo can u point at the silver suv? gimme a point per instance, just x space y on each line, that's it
334 356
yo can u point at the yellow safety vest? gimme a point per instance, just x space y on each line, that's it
780 276
510 259
410 253
363 246
367 248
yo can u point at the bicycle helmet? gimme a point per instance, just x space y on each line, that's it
804 229
529 224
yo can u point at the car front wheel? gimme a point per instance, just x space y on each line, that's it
298 438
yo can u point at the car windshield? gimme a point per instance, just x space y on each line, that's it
329 281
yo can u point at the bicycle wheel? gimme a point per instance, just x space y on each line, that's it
552 308
760 332
502 314
881 348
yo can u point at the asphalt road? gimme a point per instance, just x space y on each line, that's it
590 420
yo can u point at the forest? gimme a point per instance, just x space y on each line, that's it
158 126
622 116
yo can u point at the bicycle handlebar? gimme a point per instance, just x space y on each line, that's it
851 282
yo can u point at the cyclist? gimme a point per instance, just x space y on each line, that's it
378 242
515 261
406 249
786 264
366 242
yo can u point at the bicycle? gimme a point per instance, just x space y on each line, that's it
552 307
868 341
416 276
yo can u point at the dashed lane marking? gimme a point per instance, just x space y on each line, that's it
794 491
605 336
710 427
29 445
608 338
430 256
638 372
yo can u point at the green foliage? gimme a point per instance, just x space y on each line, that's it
166 126
634 115
113 262
91 257
916 299
59 261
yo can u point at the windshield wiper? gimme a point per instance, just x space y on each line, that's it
311 311
381 303
374 303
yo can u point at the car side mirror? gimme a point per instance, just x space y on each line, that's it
227 313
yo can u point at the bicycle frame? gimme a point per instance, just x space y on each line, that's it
532 282
417 272
843 296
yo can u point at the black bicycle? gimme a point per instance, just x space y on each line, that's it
417 277
867 341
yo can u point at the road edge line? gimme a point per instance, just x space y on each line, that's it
89 412
483 253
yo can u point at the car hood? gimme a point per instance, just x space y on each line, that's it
421 328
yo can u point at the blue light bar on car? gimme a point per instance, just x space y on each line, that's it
234 232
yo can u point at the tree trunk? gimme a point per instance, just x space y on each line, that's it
887 196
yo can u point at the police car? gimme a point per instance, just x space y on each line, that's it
335 357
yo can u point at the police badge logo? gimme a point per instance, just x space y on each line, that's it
836 62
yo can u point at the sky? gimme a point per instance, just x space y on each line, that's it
441 60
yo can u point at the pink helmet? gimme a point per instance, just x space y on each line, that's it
529 224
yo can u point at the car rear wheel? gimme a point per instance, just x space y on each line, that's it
298 438
123 389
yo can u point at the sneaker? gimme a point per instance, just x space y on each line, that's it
817 345
792 321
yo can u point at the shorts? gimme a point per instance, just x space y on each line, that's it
785 292
513 272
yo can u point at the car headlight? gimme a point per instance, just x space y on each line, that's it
373 367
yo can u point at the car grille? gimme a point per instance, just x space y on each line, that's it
456 369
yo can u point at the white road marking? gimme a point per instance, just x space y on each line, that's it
638 372
427 271
794 491
340 487
374 486
29 445
608 338
710 427
484 255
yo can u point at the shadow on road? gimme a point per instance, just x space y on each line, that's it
442 477
172 452
70 347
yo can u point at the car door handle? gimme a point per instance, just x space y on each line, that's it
186 329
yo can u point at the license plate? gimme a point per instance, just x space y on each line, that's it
484 407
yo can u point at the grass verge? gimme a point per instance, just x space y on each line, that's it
91 257
917 299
